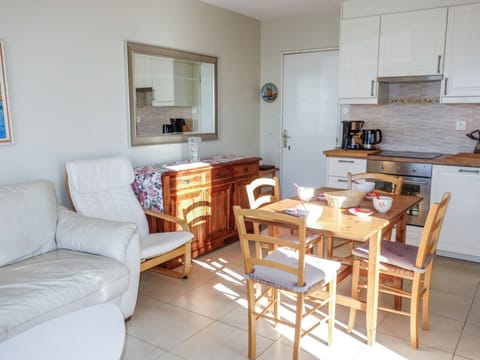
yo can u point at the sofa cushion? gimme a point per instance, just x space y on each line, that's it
48 285
28 217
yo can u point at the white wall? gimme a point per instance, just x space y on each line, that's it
66 75
319 31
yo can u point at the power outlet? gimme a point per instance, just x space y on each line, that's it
460 125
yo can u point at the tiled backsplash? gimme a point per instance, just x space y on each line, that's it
151 118
415 122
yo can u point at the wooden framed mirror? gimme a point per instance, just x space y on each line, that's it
5 126
172 95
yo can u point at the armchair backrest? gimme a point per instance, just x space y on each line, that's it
102 188
28 220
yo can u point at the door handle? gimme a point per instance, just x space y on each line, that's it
285 138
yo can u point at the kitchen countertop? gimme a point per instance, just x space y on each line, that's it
460 159
359 154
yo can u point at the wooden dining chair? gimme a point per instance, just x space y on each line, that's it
264 191
406 262
391 185
288 269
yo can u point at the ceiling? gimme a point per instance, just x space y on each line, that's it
270 9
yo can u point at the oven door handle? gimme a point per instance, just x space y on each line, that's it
416 182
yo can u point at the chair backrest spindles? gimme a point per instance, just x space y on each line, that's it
431 230
257 198
396 181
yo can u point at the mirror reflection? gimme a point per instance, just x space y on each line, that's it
173 95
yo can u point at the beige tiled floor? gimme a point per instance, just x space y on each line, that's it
204 317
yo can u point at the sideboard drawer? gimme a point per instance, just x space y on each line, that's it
220 174
187 181
246 170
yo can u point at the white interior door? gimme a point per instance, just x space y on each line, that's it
309 117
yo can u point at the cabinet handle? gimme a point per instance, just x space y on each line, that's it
186 182
438 63
445 89
469 171
342 180
372 86
346 161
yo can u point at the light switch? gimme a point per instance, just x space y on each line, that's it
461 125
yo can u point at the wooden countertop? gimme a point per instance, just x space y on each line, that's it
361 154
460 159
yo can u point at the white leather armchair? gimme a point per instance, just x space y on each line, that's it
53 261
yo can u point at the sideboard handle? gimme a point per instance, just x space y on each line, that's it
186 182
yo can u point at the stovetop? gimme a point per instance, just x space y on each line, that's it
409 154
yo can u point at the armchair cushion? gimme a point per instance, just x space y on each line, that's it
28 219
42 287
161 243
93 235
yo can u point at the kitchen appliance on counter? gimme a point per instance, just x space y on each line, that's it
475 135
177 124
352 134
371 138
416 179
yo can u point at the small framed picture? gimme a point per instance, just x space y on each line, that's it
269 92
5 125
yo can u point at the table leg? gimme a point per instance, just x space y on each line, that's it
401 229
373 284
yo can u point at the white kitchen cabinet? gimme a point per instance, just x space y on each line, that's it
163 82
358 58
461 83
339 167
184 83
459 236
143 71
412 43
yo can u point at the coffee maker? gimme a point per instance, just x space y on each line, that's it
352 134
177 124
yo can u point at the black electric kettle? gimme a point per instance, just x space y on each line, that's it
370 138
177 124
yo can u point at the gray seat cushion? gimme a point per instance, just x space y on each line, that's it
48 285
318 271
396 254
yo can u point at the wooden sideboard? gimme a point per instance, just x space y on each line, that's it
204 196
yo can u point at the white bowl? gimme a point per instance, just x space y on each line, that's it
382 204
305 193
362 185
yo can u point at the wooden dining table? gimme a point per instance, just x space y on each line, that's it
340 223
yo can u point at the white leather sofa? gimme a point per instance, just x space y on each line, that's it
53 260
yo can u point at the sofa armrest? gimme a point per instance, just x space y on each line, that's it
92 235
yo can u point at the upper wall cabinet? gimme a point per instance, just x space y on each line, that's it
358 60
412 43
461 82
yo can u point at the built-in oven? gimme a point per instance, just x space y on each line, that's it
416 176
